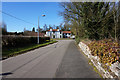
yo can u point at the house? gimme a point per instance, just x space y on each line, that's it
66 34
56 33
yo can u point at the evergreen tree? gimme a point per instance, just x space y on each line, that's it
33 30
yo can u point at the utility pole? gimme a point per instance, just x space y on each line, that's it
38 29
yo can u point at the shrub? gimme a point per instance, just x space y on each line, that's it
15 41
77 39
108 50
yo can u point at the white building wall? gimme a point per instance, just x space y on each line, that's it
51 34
57 34
48 34
68 35
61 34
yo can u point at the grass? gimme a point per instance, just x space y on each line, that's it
6 53
89 61
95 69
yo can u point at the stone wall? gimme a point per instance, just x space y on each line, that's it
114 68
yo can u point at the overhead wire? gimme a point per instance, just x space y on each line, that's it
17 18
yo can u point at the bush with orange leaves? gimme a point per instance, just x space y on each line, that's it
108 50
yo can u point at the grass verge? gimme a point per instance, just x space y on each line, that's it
89 62
16 51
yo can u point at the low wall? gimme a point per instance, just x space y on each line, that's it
114 68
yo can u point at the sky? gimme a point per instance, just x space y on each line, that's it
29 11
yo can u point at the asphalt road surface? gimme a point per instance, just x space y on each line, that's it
59 60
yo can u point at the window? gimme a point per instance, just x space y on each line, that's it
53 36
60 36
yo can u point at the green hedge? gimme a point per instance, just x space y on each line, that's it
17 41
13 52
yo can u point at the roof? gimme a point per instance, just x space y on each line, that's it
54 30
60 30
66 31
34 34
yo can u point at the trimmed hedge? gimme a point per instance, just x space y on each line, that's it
22 50
17 41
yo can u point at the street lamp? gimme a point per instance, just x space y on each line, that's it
39 27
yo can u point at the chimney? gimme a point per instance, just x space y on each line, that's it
50 29
57 29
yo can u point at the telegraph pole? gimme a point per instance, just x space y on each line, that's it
38 29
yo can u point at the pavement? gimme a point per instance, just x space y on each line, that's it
59 60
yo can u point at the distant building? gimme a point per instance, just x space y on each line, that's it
56 33
66 34
34 34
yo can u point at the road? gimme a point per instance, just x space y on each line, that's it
59 60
